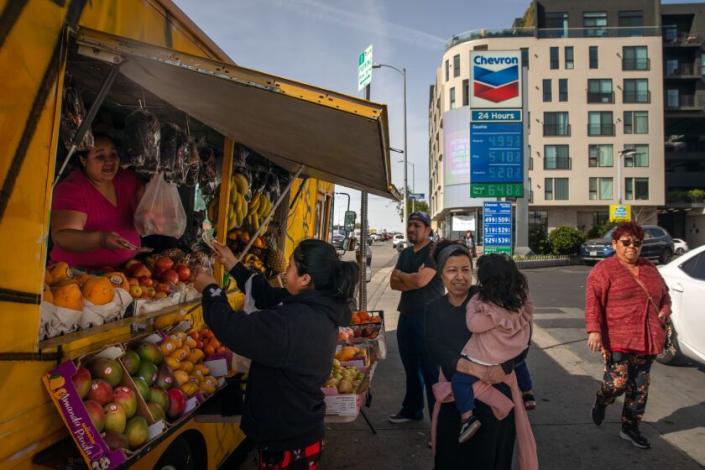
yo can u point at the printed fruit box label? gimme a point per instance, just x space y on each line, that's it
95 451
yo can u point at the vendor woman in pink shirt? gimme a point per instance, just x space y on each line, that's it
92 214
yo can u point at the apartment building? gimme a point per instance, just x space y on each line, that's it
595 103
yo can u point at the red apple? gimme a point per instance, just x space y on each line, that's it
177 403
164 263
162 287
184 272
161 295
133 281
82 381
170 276
139 270
126 397
101 392
149 292
115 418
96 413
130 263
146 281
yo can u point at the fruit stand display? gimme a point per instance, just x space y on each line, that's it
118 400
348 388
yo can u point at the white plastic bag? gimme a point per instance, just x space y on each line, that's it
160 211
95 315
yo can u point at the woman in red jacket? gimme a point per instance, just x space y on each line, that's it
626 305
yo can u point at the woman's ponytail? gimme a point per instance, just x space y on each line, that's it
346 274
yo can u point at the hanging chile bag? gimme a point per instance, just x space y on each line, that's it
73 112
141 142
160 211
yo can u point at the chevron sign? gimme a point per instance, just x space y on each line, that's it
496 79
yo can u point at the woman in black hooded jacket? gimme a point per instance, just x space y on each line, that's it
291 341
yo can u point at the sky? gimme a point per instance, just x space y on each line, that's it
318 42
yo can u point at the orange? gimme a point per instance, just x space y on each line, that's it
118 279
57 272
98 290
68 295
47 295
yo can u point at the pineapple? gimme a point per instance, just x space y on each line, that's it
276 260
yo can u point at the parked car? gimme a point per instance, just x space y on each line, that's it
658 246
398 240
685 278
679 246
337 240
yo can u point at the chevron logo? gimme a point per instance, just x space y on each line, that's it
496 85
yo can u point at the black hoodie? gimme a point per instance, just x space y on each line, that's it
291 342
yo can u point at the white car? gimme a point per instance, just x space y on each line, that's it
399 239
685 277
679 246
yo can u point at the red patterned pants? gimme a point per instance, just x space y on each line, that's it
628 374
297 459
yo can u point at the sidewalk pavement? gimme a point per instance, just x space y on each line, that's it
566 437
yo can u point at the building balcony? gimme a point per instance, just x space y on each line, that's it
684 103
636 97
636 64
600 97
561 163
598 32
674 38
489 33
600 130
556 130
687 71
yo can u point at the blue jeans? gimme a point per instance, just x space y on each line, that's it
420 372
464 395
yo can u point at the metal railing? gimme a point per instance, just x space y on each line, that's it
558 163
684 101
600 97
636 97
681 70
556 130
600 129
680 38
636 64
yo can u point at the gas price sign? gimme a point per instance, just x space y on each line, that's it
496 157
497 227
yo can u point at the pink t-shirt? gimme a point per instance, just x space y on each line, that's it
76 193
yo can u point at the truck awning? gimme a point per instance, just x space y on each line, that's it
338 138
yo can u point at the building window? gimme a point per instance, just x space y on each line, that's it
547 90
456 65
636 189
595 23
562 89
673 98
600 189
568 56
466 92
452 97
600 155
556 189
635 58
593 57
556 157
629 23
600 123
702 64
447 70
600 90
556 25
525 57
638 159
636 122
556 124
636 90
554 58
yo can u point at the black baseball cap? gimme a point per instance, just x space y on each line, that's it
421 217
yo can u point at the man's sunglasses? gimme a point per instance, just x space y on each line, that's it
636 243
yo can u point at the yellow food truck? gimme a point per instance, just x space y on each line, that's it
124 55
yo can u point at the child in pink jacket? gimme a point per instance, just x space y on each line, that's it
499 318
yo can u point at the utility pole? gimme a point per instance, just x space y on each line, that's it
362 303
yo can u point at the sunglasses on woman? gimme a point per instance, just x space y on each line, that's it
636 243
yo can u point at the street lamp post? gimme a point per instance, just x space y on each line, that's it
413 182
401 71
623 153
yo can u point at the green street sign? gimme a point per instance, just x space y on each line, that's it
364 68
497 190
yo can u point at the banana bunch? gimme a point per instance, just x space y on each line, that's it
239 187
258 209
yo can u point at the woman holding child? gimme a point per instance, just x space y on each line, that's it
480 429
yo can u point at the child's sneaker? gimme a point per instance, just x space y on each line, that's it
469 429
529 402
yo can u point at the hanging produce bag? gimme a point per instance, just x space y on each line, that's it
141 142
160 211
73 112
